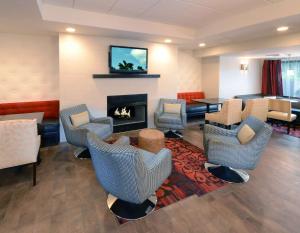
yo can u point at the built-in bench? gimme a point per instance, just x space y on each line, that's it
194 109
49 129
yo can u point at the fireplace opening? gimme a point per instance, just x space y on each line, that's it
129 112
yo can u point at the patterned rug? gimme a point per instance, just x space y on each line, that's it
188 175
283 130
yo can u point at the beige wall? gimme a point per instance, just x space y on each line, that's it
82 56
28 68
189 71
233 81
211 76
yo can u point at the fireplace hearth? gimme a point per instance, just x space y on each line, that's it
129 112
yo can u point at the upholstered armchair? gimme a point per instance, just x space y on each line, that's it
222 147
257 108
171 120
102 127
281 110
19 144
230 113
129 174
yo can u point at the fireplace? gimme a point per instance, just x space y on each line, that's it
129 112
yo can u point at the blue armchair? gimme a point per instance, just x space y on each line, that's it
170 121
102 127
130 175
222 147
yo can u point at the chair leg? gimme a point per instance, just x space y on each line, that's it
289 127
33 174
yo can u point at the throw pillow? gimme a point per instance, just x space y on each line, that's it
172 108
80 119
245 134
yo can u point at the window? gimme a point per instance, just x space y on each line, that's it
291 78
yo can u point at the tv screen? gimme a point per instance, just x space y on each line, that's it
128 60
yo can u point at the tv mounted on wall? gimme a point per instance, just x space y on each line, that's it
129 60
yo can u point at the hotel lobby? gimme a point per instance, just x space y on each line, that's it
149 116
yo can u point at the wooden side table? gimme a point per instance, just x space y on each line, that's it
151 140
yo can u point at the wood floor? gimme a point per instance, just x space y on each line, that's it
67 198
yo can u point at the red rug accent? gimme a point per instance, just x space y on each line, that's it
283 130
188 175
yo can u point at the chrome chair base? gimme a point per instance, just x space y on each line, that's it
82 153
227 174
130 211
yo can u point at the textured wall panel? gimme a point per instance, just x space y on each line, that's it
28 68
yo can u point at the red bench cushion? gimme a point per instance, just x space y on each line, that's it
188 96
50 108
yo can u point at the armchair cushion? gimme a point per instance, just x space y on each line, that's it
283 116
172 108
245 134
170 118
101 130
80 119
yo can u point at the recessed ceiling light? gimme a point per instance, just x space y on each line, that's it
202 45
282 29
69 29
168 41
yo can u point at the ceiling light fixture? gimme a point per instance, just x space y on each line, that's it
282 29
168 41
69 29
202 45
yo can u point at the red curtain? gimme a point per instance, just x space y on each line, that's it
272 78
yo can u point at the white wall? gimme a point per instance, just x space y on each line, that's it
189 71
82 56
28 68
210 76
235 82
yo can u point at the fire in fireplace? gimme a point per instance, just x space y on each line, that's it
123 112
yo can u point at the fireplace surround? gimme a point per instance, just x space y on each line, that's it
129 112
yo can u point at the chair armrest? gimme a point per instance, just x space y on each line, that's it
104 120
125 141
164 156
184 119
156 116
211 129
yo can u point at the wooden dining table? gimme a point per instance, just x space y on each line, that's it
210 101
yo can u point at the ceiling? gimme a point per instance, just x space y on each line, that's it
186 22
189 13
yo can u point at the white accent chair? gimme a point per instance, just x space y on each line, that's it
19 144
230 113
257 108
281 110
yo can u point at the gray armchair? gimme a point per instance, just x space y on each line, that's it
129 174
222 147
170 121
102 127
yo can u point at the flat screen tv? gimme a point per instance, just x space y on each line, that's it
128 60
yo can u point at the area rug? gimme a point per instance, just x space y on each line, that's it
188 175
283 130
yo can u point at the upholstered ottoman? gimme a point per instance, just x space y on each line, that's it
151 140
